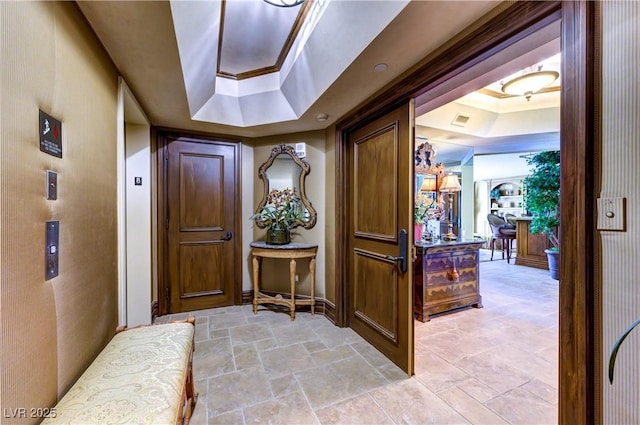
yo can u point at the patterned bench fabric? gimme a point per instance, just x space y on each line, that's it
138 378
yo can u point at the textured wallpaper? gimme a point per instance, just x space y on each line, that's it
51 330
621 178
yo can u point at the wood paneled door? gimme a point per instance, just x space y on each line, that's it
200 224
380 173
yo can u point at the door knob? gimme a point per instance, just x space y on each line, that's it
227 237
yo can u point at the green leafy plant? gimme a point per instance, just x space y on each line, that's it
542 194
421 210
616 347
282 209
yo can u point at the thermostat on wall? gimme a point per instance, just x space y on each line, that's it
301 149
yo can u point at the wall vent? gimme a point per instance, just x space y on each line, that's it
460 120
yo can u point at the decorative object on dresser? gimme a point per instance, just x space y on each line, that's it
428 205
292 252
450 185
445 277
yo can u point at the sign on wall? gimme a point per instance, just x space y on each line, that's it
50 135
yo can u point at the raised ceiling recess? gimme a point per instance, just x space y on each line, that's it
252 63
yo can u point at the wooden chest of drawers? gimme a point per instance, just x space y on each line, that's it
445 277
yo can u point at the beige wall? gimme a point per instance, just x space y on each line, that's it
275 274
621 178
51 330
139 282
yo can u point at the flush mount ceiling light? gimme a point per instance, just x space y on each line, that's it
528 84
285 3
381 67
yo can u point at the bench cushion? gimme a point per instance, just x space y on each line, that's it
138 378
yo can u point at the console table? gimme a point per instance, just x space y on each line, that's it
445 277
292 251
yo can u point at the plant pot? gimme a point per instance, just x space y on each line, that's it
553 258
278 237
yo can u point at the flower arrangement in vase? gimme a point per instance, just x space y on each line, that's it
282 209
422 209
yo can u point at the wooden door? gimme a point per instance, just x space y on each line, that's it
201 224
380 174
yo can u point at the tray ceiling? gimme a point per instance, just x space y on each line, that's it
170 53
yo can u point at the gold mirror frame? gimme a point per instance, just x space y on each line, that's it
304 170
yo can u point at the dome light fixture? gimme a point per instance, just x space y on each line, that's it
285 3
528 84
380 67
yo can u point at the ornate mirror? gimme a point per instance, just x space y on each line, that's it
285 170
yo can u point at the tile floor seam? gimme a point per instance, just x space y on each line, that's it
454 408
306 397
381 408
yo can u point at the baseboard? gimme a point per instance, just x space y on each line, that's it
323 306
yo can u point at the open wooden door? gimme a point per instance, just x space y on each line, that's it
379 246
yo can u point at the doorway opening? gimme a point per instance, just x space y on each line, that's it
507 351
443 74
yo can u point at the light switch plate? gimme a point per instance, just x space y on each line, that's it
612 214
52 185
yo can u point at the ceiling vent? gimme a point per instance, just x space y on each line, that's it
460 120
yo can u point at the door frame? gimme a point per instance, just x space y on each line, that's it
579 370
161 137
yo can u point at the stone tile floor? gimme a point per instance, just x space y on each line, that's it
495 365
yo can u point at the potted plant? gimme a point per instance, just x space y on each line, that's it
542 201
423 209
282 209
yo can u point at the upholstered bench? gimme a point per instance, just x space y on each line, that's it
143 376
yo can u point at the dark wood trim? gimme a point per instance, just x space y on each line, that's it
341 236
154 311
286 47
596 315
579 173
330 311
579 291
162 136
158 139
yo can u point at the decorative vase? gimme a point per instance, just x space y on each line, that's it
417 231
278 236
553 258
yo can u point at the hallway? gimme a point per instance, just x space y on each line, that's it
495 365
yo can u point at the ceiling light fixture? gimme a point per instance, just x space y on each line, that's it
528 84
381 67
285 3
322 117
